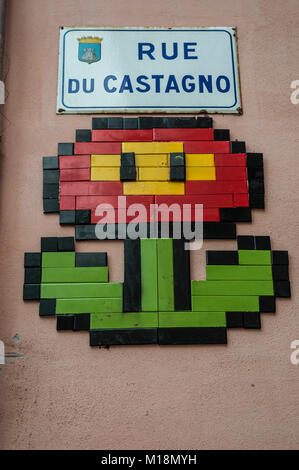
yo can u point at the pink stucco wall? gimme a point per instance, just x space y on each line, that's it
63 394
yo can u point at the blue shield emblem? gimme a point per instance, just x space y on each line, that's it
89 49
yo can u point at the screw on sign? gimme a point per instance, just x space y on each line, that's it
154 161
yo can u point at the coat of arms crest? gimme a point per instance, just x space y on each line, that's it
89 49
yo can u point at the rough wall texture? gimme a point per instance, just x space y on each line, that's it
64 395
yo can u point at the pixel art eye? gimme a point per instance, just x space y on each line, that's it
154 161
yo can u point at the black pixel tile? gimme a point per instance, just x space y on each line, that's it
262 243
132 277
180 122
267 304
256 186
47 307
67 217
216 230
189 122
222 257
255 173
146 122
162 229
50 206
123 337
66 149
254 160
211 230
66 244
51 176
149 122
234 320
99 123
131 123
65 322
115 122
49 244
32 260
128 173
280 272
83 135
142 228
111 231
120 230
257 201
177 173
83 216
174 230
31 292
177 159
86 260
50 191
280 257
237 147
32 275
198 335
245 242
252 320
282 288
204 122
221 134
159 122
81 322
85 232
235 214
127 159
50 163
181 275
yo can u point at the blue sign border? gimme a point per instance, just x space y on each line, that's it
149 107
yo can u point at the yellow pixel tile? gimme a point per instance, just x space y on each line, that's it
199 159
153 188
154 174
151 160
105 174
105 160
200 173
152 147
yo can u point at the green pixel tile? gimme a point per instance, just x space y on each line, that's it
58 259
257 257
149 276
65 275
232 288
74 290
239 273
191 319
165 275
99 321
88 305
226 303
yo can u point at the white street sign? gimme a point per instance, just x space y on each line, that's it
145 70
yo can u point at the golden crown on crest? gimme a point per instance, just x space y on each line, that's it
90 40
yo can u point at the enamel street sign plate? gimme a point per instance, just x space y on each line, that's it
145 70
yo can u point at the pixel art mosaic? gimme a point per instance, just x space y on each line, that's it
155 160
